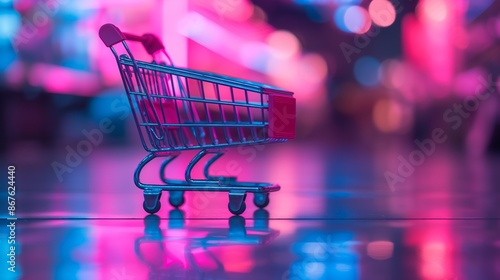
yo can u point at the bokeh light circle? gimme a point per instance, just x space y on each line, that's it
352 19
387 115
313 68
338 17
284 43
367 71
382 12
357 19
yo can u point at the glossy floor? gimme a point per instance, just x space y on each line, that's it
336 217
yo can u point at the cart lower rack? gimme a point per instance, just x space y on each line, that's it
178 109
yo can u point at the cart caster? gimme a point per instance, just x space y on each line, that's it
151 202
176 198
237 210
151 209
237 203
261 200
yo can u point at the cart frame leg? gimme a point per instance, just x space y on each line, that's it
138 169
217 153
176 198
168 159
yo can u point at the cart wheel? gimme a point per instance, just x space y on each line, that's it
151 202
261 200
176 198
151 209
236 210
237 203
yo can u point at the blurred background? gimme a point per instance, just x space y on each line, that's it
363 72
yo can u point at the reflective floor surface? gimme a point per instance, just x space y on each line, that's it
336 217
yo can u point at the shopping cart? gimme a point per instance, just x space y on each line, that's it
178 109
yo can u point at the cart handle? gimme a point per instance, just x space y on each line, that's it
111 35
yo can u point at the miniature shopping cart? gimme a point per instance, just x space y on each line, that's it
178 109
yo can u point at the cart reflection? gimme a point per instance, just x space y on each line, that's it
181 251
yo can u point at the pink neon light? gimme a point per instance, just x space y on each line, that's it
58 79
428 39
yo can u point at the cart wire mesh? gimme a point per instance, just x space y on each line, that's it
184 109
